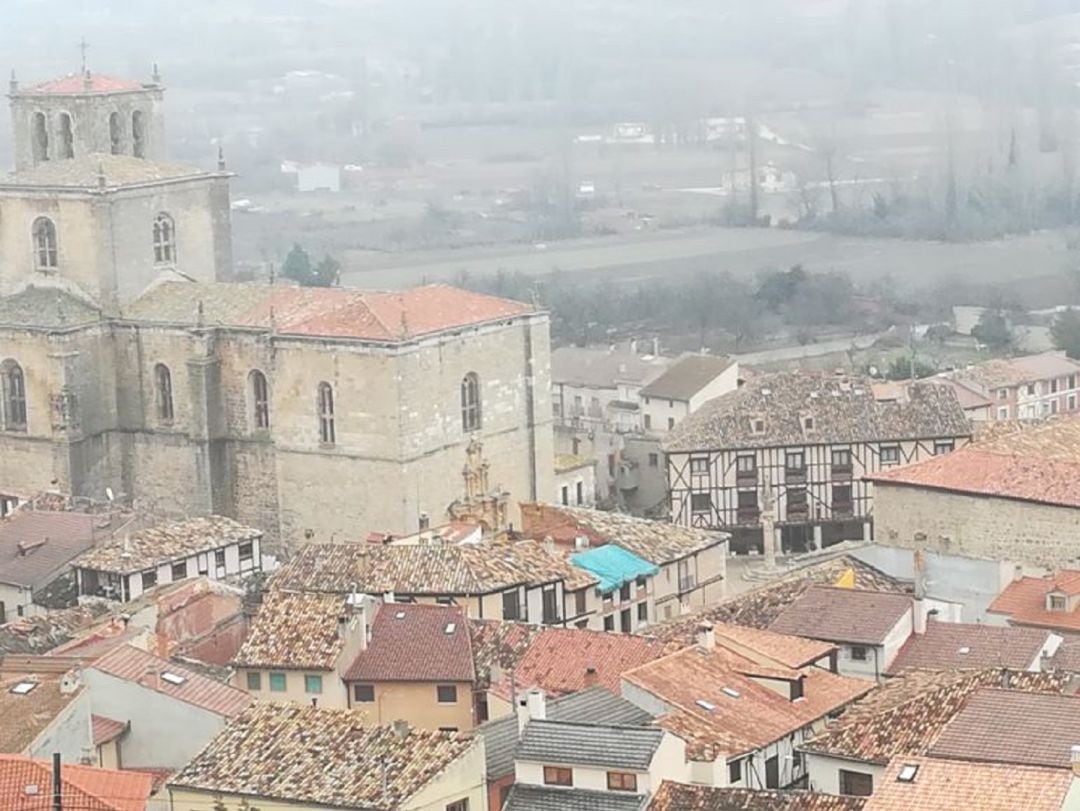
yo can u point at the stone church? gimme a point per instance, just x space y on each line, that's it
130 365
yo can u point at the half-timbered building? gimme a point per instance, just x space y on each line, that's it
800 445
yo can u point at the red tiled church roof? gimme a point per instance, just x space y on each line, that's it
75 83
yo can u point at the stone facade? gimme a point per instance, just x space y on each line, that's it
949 523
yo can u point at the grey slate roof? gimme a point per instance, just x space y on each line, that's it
686 377
50 307
625 748
523 797
593 706
843 410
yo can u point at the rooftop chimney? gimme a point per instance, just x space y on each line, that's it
706 636
1074 759
401 729
151 678
531 707
919 606
592 678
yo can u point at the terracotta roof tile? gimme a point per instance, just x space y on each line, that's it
82 787
681 797
106 729
27 715
658 542
388 317
1006 372
416 642
844 615
944 785
426 569
790 651
295 630
321 756
79 83
1023 601
44 632
843 409
498 647
131 664
956 646
716 722
85 173
906 715
1012 726
158 545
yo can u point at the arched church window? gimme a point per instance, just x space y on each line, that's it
163 392
66 144
470 402
260 400
326 414
116 134
138 134
44 236
40 137
13 391
164 240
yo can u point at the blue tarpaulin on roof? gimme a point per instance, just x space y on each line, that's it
613 566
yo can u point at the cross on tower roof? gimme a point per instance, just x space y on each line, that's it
84 46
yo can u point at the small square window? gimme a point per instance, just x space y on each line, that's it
1057 602
446 693
364 693
808 423
149 579
890 454
654 460
179 570
558 776
734 771
700 503
277 682
858 653
841 458
313 684
943 447
247 552
699 466
757 426
624 592
648 422
254 680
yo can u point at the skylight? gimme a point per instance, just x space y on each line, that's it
400 615
23 687
173 678
731 692
907 773
706 705
964 651
449 629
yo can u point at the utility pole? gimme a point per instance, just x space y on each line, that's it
57 801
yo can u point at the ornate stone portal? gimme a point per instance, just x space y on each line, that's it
480 505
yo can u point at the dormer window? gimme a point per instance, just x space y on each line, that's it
1056 602
757 425
808 423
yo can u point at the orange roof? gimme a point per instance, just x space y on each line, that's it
325 312
84 787
557 658
755 643
106 729
77 83
957 785
1023 601
719 708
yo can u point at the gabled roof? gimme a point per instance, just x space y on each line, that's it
906 714
601 745
527 797
36 545
757 643
416 642
295 630
613 566
1006 372
687 376
761 606
844 615
107 729
27 714
46 307
658 542
153 673
595 705
323 312
956 646
954 785
603 368
158 545
681 797
1023 601
76 84
460 569
843 410
1012 726
321 757
719 708
84 788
